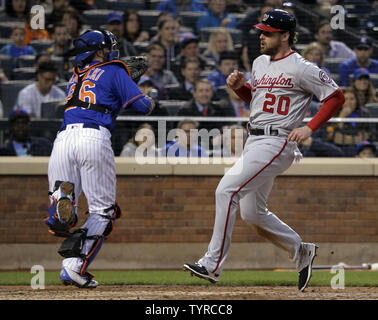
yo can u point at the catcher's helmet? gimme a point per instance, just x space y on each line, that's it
93 40
277 20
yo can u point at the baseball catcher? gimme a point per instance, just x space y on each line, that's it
82 158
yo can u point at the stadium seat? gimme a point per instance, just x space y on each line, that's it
122 5
373 109
300 47
360 8
52 109
6 28
141 46
95 17
26 61
9 93
25 73
332 64
41 45
62 86
238 16
374 79
4 41
189 19
6 64
149 18
172 106
336 78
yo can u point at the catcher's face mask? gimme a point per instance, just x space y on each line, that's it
113 46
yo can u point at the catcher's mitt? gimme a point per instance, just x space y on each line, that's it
137 65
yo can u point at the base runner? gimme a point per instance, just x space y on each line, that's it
279 92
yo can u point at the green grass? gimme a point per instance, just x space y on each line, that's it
229 278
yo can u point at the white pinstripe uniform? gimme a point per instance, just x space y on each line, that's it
281 93
82 152
84 156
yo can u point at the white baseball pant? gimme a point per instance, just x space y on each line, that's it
249 182
84 156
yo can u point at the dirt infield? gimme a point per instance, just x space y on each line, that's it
145 292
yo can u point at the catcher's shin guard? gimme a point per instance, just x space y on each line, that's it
61 212
98 240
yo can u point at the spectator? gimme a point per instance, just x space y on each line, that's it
190 74
159 76
177 6
35 34
73 20
219 40
317 145
182 146
347 135
16 11
363 87
148 88
43 90
167 38
236 6
164 15
133 27
59 7
143 140
228 62
331 48
216 16
21 143
202 106
313 52
231 142
182 32
245 63
255 15
190 49
304 34
46 4
81 5
17 48
363 50
233 105
366 149
114 24
41 57
251 38
62 41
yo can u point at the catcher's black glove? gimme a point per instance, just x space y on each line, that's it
137 65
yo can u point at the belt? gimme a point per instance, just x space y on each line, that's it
261 132
85 125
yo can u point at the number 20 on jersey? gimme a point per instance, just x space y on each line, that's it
281 107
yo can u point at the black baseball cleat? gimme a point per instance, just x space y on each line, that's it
200 271
308 256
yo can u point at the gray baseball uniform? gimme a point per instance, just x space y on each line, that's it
282 90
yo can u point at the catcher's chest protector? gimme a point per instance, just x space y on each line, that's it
81 75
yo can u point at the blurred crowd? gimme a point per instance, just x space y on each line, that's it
192 46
